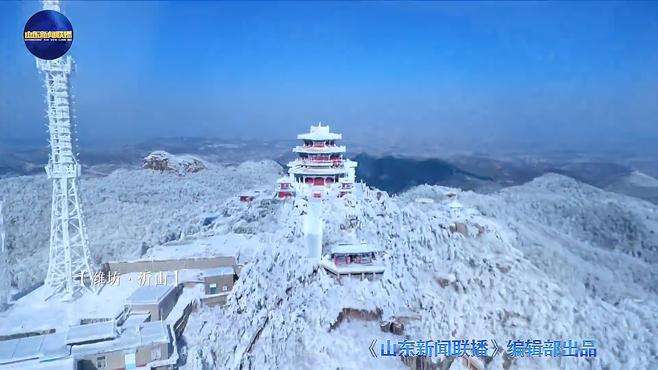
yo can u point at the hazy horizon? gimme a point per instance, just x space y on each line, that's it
468 76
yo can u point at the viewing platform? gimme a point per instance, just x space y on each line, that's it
355 261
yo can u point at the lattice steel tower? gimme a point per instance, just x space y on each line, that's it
69 254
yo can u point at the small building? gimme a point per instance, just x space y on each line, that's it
148 345
459 227
91 333
346 254
95 346
246 198
172 264
284 188
156 300
354 260
218 282
346 186
29 352
98 346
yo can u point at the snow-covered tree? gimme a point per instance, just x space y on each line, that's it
126 212
4 266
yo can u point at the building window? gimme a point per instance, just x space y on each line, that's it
101 362
156 354
225 288
212 288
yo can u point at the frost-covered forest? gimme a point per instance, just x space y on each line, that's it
553 258
550 259
126 213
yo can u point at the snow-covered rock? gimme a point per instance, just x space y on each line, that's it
160 160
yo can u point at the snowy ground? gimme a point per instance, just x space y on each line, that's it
636 184
34 313
347 341
242 246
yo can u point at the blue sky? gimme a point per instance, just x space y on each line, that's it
577 75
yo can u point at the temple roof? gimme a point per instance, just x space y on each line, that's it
303 170
354 248
319 132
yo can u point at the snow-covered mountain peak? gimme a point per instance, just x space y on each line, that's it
467 272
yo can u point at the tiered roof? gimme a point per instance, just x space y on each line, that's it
319 133
350 248
320 149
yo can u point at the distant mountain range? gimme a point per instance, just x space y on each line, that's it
391 172
396 174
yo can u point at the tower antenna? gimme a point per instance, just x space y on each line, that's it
69 257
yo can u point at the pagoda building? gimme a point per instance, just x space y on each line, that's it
320 167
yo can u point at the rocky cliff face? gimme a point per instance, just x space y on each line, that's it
180 164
